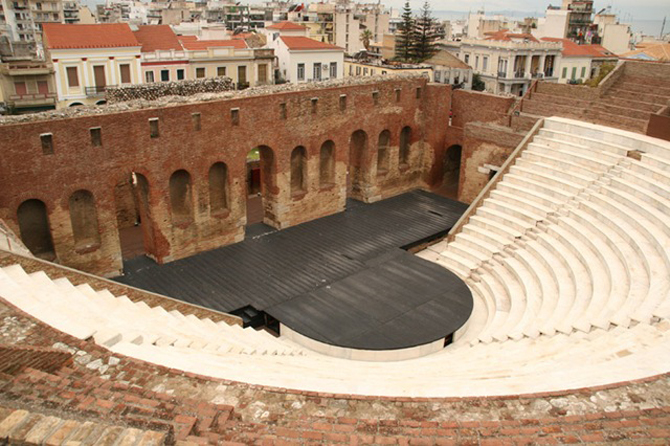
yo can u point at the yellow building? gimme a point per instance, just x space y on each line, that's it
89 58
27 86
354 68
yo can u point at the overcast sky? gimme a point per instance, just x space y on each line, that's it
638 9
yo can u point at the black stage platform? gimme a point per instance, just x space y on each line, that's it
344 280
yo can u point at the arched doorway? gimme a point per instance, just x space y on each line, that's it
261 171
452 171
358 165
181 198
84 219
133 216
35 230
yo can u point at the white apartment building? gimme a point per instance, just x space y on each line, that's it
508 63
579 63
301 59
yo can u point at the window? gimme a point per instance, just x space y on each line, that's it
301 71
200 72
20 88
149 76
180 74
153 128
358 71
375 97
96 136
351 70
220 71
476 62
235 116
565 72
485 63
165 75
125 73
242 74
315 105
467 58
283 112
263 73
47 143
195 119
574 73
333 70
72 77
317 71
398 92
42 87
365 71
343 102
583 72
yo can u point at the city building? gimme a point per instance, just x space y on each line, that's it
508 63
232 58
163 57
580 20
449 69
358 68
27 85
88 58
301 59
580 63
616 37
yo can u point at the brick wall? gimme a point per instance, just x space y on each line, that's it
128 147
14 358
484 144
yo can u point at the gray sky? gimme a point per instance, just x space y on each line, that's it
638 9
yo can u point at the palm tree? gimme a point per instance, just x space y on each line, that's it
366 37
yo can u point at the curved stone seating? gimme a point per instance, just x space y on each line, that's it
568 260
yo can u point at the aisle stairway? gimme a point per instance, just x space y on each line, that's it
568 261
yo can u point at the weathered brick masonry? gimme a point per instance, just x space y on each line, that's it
97 154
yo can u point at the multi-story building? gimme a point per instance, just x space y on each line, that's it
27 85
580 20
616 37
232 58
301 59
508 63
579 63
88 58
359 68
163 57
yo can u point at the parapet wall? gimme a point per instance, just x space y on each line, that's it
157 90
186 163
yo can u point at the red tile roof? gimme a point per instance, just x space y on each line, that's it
191 44
101 35
157 37
571 49
307 44
287 26
505 36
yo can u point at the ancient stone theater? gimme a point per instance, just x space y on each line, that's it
361 261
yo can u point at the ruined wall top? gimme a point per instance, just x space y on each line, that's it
173 101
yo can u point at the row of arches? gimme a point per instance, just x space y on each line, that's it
33 218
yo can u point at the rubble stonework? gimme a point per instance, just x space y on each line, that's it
158 90
195 97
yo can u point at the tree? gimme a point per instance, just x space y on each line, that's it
366 37
477 83
426 35
405 35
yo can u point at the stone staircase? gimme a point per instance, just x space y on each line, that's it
626 104
86 313
568 260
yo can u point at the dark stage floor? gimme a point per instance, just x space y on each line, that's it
343 279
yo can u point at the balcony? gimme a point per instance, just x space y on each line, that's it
96 91
549 72
32 99
502 74
520 74
27 69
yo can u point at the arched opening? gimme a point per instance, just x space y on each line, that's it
452 171
218 188
358 150
76 104
101 102
327 164
34 229
181 200
261 182
298 171
383 152
405 141
84 219
133 216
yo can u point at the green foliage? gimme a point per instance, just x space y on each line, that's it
477 83
366 37
604 71
405 35
426 35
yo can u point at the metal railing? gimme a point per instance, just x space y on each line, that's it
97 90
